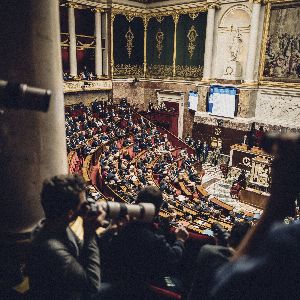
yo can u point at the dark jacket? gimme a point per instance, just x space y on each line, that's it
273 272
209 260
142 253
61 267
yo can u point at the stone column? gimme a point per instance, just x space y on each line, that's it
105 52
72 37
98 48
111 35
253 38
33 144
209 40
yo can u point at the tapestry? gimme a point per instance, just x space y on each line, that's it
282 56
128 46
191 30
160 44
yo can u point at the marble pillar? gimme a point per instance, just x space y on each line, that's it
209 40
253 42
72 37
33 144
105 52
98 49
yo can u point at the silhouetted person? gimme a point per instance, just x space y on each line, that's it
60 266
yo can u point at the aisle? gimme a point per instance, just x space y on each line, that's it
219 187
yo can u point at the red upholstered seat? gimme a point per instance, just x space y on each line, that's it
164 293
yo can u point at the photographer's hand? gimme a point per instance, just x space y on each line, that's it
90 224
181 234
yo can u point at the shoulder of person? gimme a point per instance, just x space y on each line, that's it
215 250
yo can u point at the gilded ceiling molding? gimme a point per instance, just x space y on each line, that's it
129 15
71 5
192 9
256 1
84 4
97 10
277 1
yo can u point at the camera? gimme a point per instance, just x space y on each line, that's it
220 234
21 96
144 212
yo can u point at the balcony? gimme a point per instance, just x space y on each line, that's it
87 85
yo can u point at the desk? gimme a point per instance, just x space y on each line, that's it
241 157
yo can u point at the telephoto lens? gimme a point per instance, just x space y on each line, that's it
144 212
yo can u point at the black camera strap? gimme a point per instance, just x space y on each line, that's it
123 210
142 211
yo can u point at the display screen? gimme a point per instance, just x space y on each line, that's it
222 101
193 101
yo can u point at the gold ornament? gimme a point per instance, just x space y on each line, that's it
194 15
129 41
129 17
159 42
192 36
124 70
159 18
160 71
189 71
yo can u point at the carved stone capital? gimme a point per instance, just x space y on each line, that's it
97 9
213 5
145 22
175 18
72 5
256 1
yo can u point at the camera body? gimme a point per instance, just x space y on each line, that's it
144 212
220 234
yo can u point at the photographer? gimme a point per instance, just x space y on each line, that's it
212 257
60 266
267 265
141 254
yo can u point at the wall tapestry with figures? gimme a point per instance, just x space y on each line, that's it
190 45
128 46
282 54
160 45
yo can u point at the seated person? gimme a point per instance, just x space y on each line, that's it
211 257
142 254
60 266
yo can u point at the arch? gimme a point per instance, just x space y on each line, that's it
238 16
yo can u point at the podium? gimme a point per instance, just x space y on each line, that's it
258 163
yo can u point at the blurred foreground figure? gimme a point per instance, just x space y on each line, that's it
60 265
267 265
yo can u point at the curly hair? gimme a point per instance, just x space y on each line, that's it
60 194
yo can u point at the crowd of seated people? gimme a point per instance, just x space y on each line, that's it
88 127
159 108
84 75
261 262
136 154
135 255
